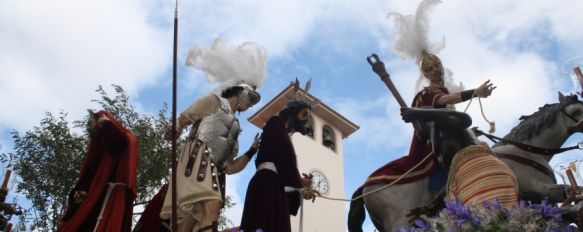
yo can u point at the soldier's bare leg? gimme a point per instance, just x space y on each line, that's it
211 209
186 224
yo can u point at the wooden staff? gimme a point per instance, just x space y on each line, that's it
379 68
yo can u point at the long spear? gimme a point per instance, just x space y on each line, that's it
174 163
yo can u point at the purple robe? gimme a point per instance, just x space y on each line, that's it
267 206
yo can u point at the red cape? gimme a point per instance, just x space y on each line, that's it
150 220
393 170
111 157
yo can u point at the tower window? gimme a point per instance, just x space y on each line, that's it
328 138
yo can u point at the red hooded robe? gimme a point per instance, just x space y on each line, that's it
111 157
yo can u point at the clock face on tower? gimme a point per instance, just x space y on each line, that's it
319 182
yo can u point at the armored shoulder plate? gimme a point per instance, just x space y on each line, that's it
219 132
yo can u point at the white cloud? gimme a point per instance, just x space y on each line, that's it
379 123
54 54
279 26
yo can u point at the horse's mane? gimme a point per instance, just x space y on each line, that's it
532 125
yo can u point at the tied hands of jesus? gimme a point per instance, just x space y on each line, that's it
308 192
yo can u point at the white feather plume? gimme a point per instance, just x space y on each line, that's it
411 32
411 40
230 65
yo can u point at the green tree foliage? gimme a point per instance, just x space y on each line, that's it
48 158
224 222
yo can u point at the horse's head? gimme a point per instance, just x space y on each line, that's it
447 130
572 112
551 125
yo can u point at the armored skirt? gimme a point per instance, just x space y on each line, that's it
197 180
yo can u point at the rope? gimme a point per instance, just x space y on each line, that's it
109 189
469 103
301 227
492 124
381 188
289 189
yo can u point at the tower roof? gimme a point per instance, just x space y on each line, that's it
276 104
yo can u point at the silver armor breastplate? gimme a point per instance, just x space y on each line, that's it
219 132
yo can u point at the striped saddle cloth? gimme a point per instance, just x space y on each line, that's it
477 175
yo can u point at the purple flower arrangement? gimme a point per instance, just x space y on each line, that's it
237 230
526 216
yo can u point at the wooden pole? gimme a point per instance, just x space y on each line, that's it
4 193
5 184
174 80
572 180
6 178
579 76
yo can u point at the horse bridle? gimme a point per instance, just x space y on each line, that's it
569 116
527 147
527 162
532 149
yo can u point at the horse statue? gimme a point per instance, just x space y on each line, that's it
527 150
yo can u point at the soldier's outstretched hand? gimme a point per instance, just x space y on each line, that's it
485 89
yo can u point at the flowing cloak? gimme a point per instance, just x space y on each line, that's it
418 150
150 220
477 175
112 157
267 206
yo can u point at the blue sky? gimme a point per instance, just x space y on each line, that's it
53 55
